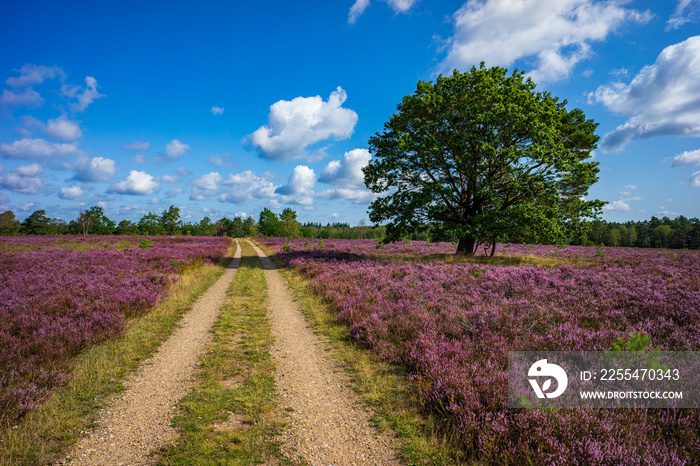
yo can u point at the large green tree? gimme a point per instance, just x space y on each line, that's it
289 226
268 223
9 225
479 156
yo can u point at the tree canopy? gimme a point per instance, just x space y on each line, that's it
481 155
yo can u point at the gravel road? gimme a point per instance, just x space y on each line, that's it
136 426
328 425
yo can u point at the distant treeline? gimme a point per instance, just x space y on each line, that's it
678 233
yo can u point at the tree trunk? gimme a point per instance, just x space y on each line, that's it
466 246
493 248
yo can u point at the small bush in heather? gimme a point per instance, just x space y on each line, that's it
145 244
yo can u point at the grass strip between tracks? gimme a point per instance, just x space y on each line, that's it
232 416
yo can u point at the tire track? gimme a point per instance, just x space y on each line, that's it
136 426
328 426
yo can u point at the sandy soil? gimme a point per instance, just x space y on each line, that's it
328 424
136 426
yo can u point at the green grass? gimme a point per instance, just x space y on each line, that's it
44 435
425 439
232 416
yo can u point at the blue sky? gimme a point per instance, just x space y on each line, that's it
223 108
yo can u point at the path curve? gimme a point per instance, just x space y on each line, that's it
328 426
136 426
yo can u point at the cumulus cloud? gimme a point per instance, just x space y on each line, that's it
554 34
299 187
663 99
617 206
347 177
38 149
63 129
176 149
84 95
25 179
294 125
138 145
686 11
217 111
691 157
26 97
246 186
347 172
71 193
137 183
205 186
695 179
95 169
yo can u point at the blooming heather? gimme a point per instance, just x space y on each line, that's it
60 295
453 324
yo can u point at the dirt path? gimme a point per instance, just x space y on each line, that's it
137 425
328 426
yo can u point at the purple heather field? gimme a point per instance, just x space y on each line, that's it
451 325
59 295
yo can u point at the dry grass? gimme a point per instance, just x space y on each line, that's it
46 432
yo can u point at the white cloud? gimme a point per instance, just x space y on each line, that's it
302 180
139 158
294 125
4 200
347 177
356 195
356 10
27 97
24 179
554 34
617 206
399 6
169 179
38 149
138 145
299 187
631 186
174 192
205 186
663 99
347 172
71 193
686 11
183 171
95 169
690 157
246 186
63 129
695 179
31 74
221 160
137 183
85 96
217 111
26 207
176 149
